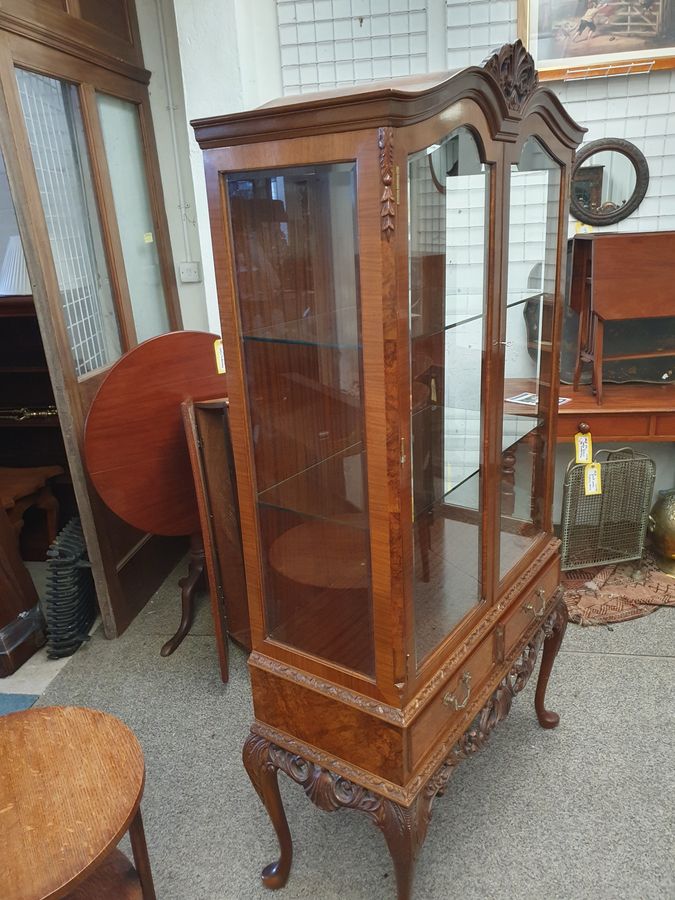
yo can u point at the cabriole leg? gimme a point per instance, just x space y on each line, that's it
263 774
555 630
404 831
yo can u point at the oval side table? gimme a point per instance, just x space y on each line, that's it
71 782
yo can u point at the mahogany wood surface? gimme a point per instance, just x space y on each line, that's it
390 730
633 276
396 102
134 443
629 412
71 782
616 277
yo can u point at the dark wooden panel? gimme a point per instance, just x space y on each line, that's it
111 16
144 572
106 36
213 469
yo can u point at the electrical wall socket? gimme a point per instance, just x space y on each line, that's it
190 272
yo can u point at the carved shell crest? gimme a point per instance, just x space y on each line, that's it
513 69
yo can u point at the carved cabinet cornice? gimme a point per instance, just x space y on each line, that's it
380 252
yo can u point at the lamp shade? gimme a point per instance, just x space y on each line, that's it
13 272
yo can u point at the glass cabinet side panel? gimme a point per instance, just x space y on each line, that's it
296 258
530 305
448 196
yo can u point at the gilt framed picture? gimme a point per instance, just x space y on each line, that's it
583 38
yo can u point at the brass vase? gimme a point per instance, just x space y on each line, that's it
662 528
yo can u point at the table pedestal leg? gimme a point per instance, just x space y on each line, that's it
189 586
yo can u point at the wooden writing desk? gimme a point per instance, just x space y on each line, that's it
617 277
630 412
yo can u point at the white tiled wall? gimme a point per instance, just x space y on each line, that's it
638 108
476 27
325 43
641 109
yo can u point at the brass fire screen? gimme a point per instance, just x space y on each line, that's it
610 527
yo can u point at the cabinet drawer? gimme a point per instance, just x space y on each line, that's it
449 706
530 606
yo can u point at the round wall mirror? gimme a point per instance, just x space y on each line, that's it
609 181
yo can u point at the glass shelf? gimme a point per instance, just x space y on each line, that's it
337 330
462 446
455 323
331 490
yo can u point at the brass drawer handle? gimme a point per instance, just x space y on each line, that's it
538 613
451 700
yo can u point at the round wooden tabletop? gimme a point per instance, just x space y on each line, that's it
71 781
134 439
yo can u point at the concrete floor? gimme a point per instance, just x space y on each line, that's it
585 811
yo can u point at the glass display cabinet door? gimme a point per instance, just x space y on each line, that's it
295 244
448 201
530 306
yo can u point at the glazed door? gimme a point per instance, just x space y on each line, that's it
530 372
295 249
449 237
92 240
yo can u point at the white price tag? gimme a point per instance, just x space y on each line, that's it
583 447
592 480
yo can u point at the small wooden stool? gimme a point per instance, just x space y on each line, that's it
71 782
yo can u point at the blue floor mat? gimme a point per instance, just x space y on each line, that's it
10 703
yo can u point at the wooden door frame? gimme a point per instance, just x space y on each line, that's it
73 394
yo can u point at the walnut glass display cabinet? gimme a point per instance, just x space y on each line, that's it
389 261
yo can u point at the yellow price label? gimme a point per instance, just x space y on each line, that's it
583 447
592 479
220 356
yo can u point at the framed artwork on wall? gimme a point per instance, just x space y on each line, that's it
586 38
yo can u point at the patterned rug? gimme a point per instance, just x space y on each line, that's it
617 593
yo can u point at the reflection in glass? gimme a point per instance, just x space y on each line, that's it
605 182
448 187
126 164
14 278
533 230
53 119
295 247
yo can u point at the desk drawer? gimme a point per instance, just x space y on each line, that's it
665 425
530 606
449 706
605 427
